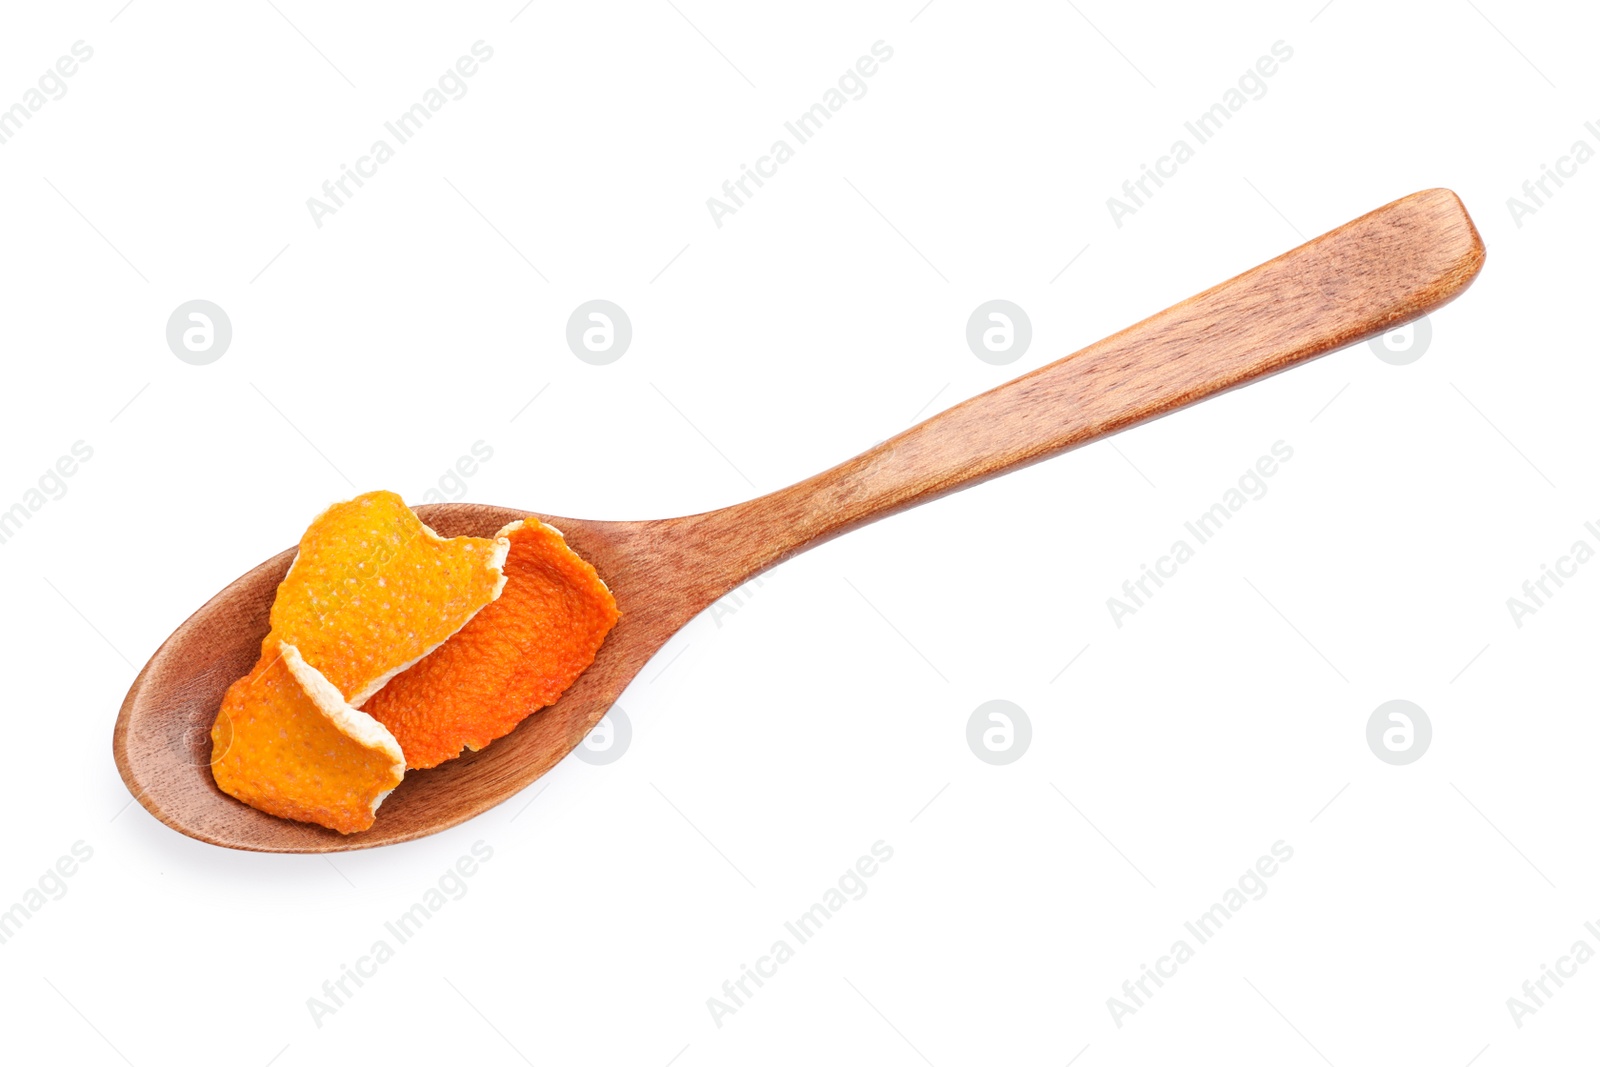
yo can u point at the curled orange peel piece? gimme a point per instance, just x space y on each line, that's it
373 590
286 742
517 655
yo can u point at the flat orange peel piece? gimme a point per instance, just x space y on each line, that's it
286 742
373 590
517 655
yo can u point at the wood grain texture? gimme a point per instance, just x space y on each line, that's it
1369 276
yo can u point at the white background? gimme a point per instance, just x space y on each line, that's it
774 744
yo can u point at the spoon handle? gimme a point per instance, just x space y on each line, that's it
1360 280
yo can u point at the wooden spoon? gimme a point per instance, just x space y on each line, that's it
1361 280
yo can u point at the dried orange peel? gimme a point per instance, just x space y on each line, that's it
392 647
517 655
286 742
373 590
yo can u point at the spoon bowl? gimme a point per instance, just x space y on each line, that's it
1363 279
163 734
